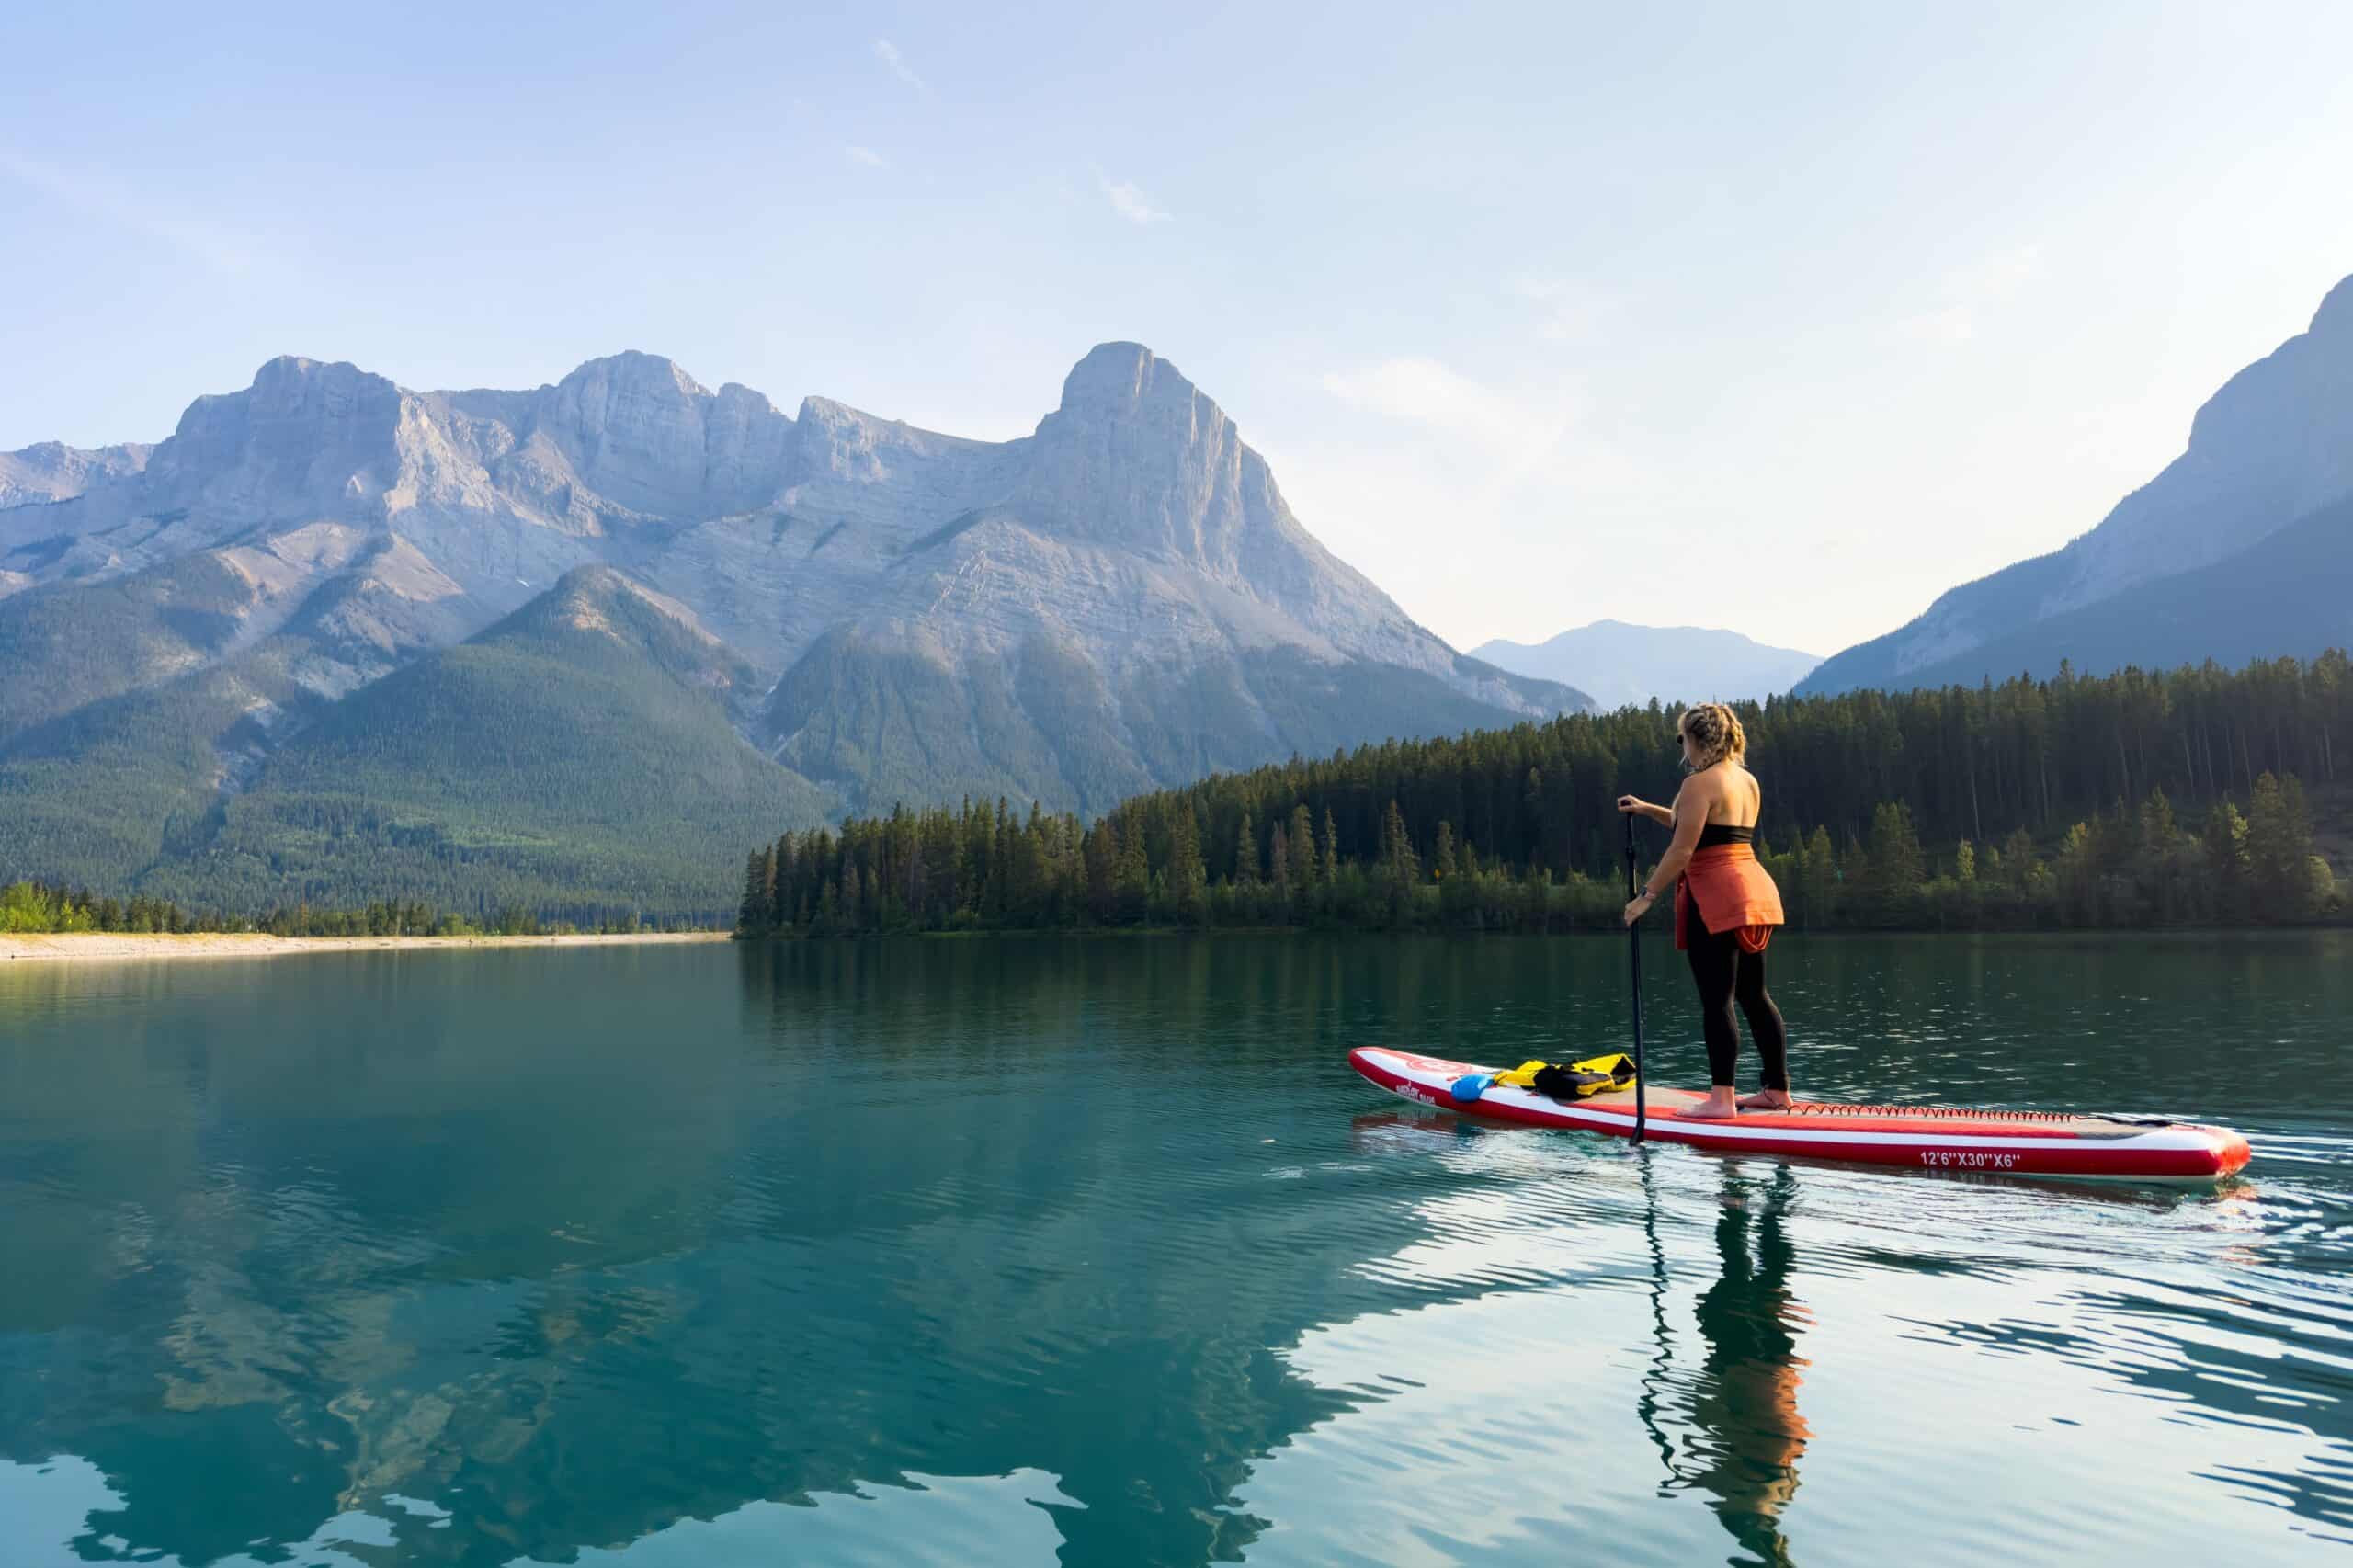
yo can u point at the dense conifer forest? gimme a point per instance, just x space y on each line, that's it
29 907
2132 799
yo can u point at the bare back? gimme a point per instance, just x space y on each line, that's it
1727 794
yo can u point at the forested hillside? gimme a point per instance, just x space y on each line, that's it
2136 799
614 762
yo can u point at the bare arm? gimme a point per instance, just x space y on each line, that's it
1641 808
1690 816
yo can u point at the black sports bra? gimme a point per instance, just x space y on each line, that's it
1717 832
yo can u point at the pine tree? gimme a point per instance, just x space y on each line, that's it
2076 867
1133 873
2278 850
1302 851
2017 859
1187 879
1898 869
1404 867
1101 853
1442 853
1818 880
1246 853
2224 841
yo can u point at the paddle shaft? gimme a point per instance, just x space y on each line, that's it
1634 946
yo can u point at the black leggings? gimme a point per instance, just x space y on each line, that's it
1727 973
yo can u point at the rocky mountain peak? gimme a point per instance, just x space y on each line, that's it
1127 384
736 394
1137 453
308 435
638 429
51 470
636 374
293 387
827 412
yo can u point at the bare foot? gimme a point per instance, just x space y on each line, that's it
1766 1099
1717 1107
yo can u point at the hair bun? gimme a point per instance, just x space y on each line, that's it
1715 733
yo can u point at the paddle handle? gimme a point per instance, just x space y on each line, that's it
1634 948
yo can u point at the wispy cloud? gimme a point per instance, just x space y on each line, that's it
1130 202
223 250
1424 392
1532 443
865 157
1963 298
1569 310
888 54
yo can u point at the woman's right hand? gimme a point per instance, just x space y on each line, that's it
1634 803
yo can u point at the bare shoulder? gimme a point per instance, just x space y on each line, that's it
1700 791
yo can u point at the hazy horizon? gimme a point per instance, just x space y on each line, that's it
1537 312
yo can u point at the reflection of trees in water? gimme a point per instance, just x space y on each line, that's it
585 1259
1741 1430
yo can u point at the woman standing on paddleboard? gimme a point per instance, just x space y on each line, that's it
1725 904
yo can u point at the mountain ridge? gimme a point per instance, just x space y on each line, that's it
1623 664
2272 446
1114 602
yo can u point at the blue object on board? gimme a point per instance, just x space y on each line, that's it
1471 1085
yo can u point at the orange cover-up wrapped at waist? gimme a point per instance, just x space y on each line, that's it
1735 892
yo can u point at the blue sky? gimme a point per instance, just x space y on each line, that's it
1783 319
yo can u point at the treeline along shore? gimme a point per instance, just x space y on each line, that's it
29 907
2139 799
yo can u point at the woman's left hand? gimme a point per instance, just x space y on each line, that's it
1640 907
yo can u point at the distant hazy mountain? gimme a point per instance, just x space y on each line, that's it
214 645
53 471
2211 559
1621 664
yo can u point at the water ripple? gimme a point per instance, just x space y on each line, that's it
1098 1254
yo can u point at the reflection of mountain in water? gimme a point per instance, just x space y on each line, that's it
417 1232
700 1249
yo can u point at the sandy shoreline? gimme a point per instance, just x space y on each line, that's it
116 947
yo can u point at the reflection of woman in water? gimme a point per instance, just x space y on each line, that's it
1746 1433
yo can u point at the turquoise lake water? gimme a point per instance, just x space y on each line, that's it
1096 1253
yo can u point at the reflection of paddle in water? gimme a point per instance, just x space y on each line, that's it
1742 1433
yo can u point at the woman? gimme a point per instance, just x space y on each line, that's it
1725 904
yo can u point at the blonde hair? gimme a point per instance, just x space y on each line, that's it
1715 734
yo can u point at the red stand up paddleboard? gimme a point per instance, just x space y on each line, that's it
2013 1142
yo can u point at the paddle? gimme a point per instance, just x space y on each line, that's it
1634 944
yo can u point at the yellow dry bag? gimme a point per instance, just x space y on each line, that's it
1595 1075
